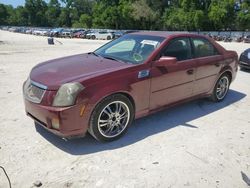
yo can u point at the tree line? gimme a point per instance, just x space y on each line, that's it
191 15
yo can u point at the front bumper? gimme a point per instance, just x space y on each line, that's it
245 65
73 120
244 61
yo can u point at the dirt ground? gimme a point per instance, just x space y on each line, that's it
198 144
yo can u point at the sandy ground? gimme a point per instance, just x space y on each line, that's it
198 144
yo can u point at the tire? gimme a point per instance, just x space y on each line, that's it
93 37
221 88
111 118
108 37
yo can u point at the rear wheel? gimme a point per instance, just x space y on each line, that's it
108 37
221 88
111 118
93 37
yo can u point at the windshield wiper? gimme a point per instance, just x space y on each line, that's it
112 58
93 53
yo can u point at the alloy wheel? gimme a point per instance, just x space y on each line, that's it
222 87
113 119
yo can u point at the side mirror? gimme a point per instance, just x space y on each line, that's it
165 61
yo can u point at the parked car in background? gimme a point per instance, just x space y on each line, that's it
41 32
78 33
133 76
227 39
23 30
225 36
66 33
246 39
237 36
56 32
14 29
218 38
88 34
117 34
213 35
84 34
29 31
244 61
99 35
36 32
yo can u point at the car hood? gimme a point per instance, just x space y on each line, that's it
246 51
54 73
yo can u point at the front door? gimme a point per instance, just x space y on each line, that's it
175 82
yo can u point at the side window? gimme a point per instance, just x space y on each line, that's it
203 48
179 48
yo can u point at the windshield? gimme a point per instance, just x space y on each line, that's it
133 49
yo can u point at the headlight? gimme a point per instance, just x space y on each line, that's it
67 93
26 84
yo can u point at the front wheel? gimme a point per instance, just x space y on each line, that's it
111 118
221 88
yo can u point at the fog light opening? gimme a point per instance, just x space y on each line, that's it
55 123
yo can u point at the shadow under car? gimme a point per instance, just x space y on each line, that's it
145 127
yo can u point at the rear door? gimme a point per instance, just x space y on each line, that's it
209 63
175 82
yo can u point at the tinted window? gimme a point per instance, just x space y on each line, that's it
131 48
123 46
179 48
203 48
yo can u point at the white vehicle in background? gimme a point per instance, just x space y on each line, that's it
29 31
67 33
99 35
41 32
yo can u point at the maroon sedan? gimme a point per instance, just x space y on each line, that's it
140 73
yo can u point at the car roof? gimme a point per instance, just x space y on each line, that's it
165 34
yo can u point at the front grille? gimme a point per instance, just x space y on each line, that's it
32 92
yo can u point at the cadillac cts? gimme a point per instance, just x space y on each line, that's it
101 92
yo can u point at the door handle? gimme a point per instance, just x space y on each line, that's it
190 71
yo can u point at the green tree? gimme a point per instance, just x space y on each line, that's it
175 19
222 14
53 12
144 15
82 6
243 17
36 12
11 20
185 15
131 14
85 21
65 18
126 20
20 16
3 14
105 15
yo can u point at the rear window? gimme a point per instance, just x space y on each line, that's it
203 48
